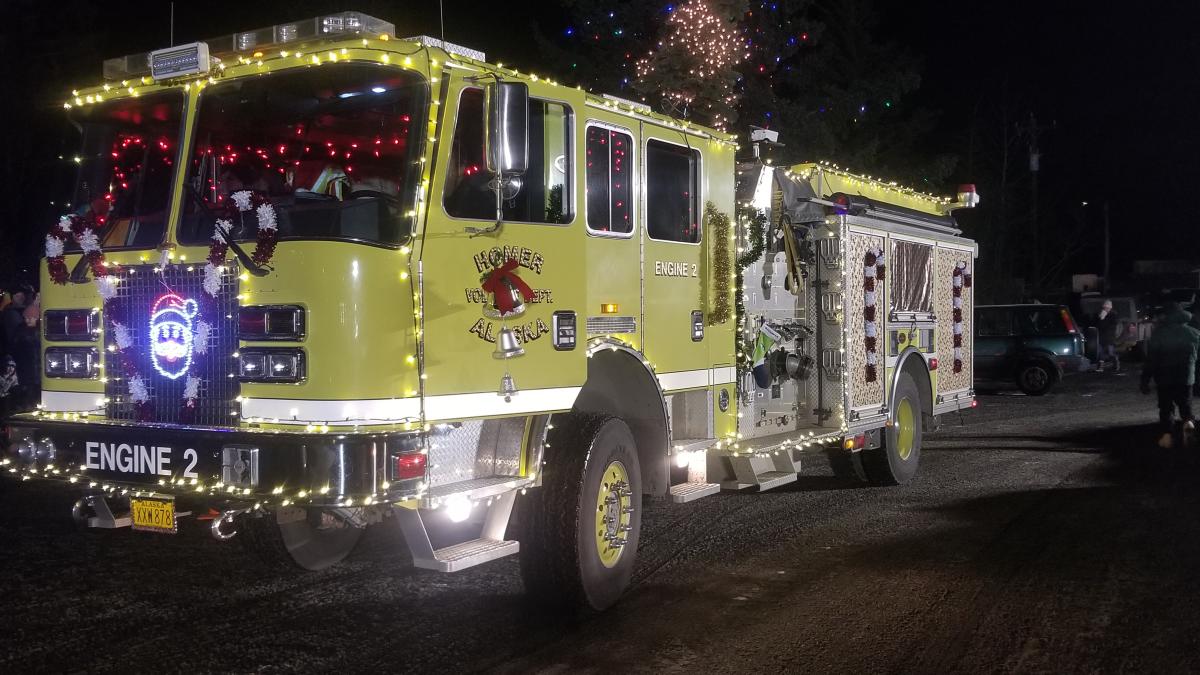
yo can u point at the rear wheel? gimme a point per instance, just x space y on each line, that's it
311 539
895 462
1035 378
580 529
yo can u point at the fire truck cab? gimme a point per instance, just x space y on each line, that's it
316 277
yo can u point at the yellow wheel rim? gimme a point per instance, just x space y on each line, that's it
614 512
906 428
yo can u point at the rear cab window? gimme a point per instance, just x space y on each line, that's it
608 172
672 192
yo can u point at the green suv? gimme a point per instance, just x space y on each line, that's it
1030 345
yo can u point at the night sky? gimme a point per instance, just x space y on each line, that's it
1114 88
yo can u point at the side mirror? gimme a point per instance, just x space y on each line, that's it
508 127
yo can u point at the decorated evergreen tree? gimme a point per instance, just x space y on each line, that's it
693 67
816 71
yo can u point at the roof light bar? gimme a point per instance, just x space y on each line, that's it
328 26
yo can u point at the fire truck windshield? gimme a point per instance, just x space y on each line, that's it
336 149
125 167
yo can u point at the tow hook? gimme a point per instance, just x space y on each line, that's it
224 527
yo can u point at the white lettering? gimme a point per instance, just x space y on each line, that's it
106 457
164 461
125 456
92 460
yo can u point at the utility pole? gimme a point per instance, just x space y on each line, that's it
1105 285
1035 165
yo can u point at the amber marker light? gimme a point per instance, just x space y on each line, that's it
608 308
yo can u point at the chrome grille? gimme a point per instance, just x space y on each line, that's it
140 287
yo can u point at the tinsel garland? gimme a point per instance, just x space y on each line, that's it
718 227
83 229
268 234
756 222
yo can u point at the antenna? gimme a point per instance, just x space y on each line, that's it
442 20
172 25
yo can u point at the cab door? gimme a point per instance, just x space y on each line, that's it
673 261
540 240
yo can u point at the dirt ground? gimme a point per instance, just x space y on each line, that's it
1042 535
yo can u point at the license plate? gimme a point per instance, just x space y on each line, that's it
153 514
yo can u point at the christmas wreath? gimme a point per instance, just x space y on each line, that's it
264 248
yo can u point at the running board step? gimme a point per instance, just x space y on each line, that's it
490 545
690 492
764 481
765 473
467 554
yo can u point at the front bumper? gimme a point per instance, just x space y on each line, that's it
256 467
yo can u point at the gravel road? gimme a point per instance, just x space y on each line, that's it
1042 535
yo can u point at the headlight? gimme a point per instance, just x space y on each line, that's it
71 325
76 362
271 365
271 322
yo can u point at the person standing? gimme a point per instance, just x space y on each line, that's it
22 345
1171 364
1108 325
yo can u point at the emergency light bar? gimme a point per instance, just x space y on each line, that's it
179 61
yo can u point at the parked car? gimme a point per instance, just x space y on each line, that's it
1032 346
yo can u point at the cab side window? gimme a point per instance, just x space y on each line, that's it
543 193
609 178
672 192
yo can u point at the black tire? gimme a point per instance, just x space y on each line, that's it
889 464
560 556
1036 378
298 539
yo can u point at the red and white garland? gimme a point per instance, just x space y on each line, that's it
264 249
960 279
83 230
873 271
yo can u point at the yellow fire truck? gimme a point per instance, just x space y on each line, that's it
316 278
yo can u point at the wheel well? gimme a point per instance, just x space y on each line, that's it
912 364
621 385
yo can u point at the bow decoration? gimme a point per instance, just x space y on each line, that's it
501 282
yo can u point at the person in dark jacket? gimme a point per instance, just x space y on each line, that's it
1107 324
1171 364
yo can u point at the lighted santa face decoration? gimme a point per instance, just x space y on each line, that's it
171 335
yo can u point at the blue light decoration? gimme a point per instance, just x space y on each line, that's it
171 335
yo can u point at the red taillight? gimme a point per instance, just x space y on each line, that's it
1068 322
974 403
933 364
409 466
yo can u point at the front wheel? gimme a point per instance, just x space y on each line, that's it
311 539
896 461
580 529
